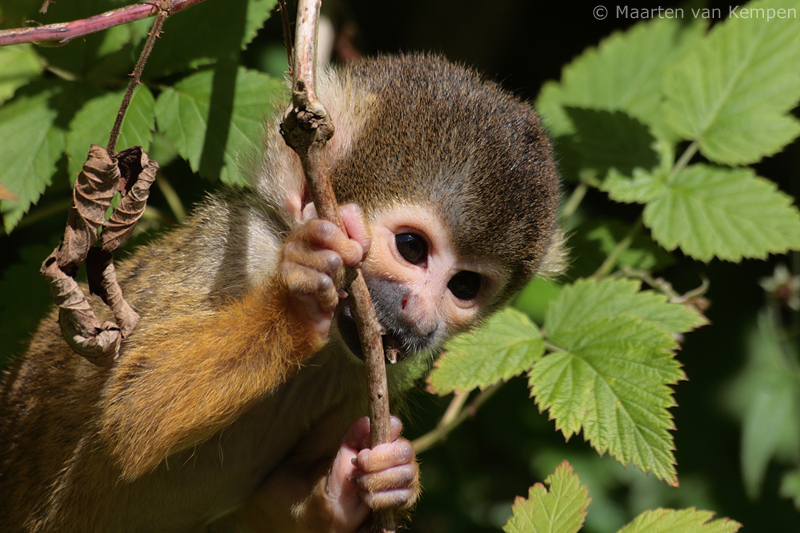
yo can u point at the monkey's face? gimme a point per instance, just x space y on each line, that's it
423 290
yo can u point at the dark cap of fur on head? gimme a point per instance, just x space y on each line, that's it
439 134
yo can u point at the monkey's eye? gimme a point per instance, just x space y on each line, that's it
412 247
465 285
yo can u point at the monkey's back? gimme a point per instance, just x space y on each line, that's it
51 400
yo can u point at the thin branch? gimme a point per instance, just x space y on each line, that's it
307 128
164 10
64 32
287 32
454 417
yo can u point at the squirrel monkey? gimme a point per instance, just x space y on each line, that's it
238 403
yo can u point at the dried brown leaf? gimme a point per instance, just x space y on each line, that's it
130 173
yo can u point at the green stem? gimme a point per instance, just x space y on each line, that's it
611 261
44 212
172 197
574 200
683 161
454 417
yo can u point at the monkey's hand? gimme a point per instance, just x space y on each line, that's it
339 499
312 263
364 478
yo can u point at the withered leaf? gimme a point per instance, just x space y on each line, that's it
130 173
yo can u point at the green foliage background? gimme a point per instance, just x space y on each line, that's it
673 141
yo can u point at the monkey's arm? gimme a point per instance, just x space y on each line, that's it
190 376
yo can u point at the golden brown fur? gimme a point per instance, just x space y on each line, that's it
225 409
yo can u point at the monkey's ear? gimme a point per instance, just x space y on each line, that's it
556 259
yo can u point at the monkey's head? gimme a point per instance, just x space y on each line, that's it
457 179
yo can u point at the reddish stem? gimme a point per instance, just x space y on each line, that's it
64 32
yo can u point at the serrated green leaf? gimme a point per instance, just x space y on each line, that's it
734 92
507 345
92 124
726 213
605 141
679 521
195 38
641 185
31 147
18 64
588 299
612 380
622 74
183 113
562 509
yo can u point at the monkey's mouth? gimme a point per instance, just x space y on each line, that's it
392 345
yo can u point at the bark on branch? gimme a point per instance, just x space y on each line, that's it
64 32
307 128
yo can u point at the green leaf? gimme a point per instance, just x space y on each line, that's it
505 346
622 74
562 509
726 213
641 185
30 148
184 112
589 299
679 521
612 380
196 37
734 92
604 141
92 124
18 65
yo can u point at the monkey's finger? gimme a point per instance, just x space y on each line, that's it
311 256
398 477
392 499
326 234
385 456
388 484
311 287
358 437
356 225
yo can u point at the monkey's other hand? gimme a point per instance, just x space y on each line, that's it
312 263
363 478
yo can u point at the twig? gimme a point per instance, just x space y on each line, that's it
164 10
287 32
454 417
307 128
64 32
